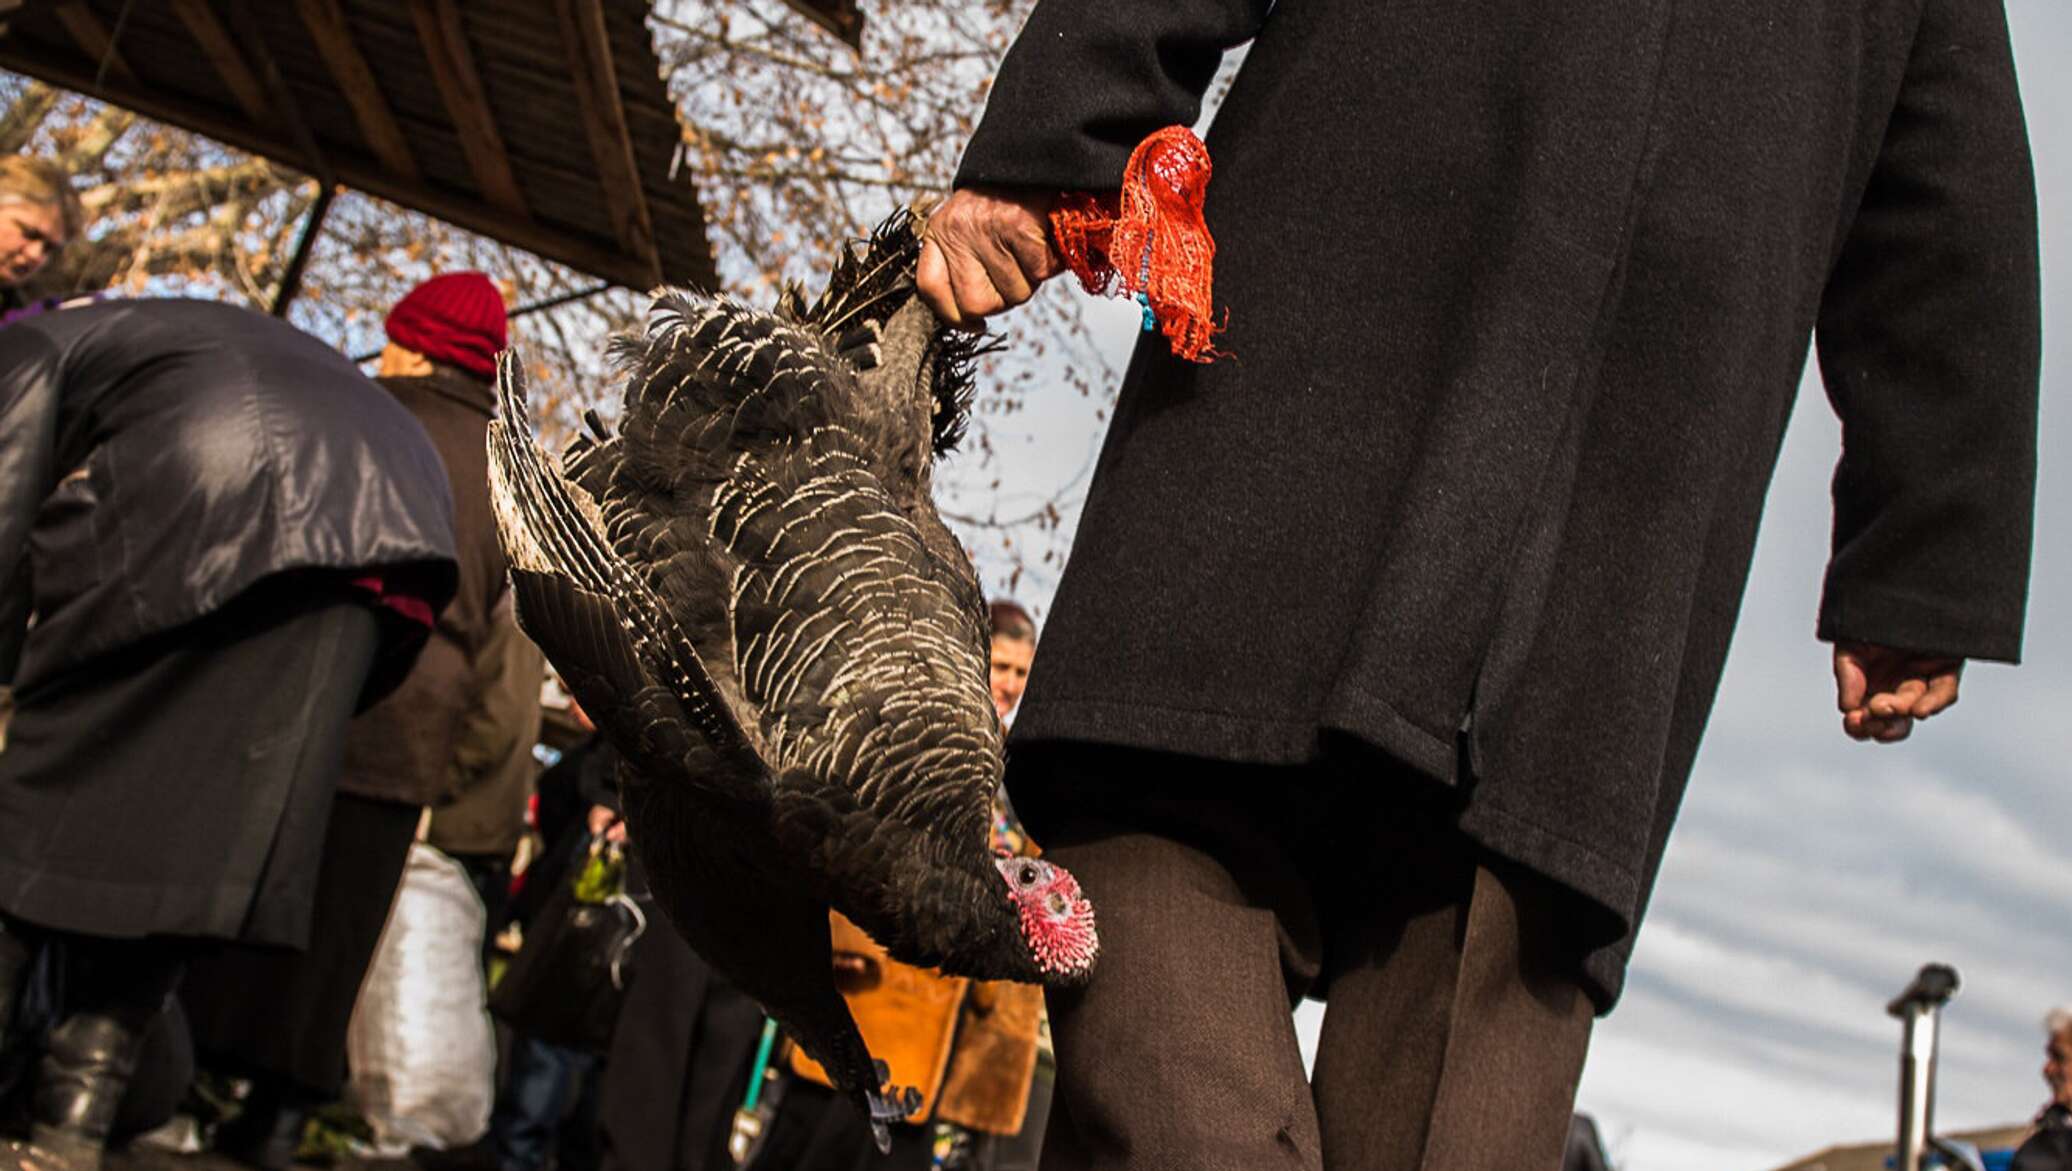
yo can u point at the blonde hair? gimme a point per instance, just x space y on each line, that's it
24 179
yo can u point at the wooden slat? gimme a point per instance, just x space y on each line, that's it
287 112
589 49
92 37
467 103
570 249
325 21
222 51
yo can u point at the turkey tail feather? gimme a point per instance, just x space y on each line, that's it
548 531
869 285
955 384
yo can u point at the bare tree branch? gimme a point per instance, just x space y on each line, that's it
796 143
25 115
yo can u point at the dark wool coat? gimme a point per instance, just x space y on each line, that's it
1518 297
404 748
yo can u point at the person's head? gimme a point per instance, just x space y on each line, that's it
455 319
2057 1055
39 215
1014 648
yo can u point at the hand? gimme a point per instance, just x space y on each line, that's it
856 973
1882 690
604 821
986 252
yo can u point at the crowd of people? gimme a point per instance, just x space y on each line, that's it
1377 672
272 654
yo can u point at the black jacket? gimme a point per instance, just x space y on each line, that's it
159 457
2050 1148
1519 294
585 776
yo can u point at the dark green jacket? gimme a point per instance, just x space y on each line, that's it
403 748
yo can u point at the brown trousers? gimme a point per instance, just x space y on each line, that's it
1455 1029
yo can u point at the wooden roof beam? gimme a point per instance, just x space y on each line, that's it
325 20
596 81
522 232
287 113
445 43
221 49
93 38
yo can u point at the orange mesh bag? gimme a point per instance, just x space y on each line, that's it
1149 240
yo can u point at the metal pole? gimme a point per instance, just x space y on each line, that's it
561 299
1916 1084
291 279
1919 1009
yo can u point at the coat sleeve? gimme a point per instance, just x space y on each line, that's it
1929 341
1087 80
31 377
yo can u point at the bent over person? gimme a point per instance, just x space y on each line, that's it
1386 642
235 540
279 1018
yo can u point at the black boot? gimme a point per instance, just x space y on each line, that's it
119 987
15 957
267 1132
79 1086
17 1047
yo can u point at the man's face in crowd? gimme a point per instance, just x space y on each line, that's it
2057 1067
1011 658
30 234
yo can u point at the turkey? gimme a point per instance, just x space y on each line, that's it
750 591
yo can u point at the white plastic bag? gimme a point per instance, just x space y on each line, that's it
422 1054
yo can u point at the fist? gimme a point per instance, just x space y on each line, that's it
986 251
603 821
1883 690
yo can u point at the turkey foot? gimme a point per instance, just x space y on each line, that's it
896 1104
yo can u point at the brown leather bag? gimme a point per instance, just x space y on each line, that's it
968 1047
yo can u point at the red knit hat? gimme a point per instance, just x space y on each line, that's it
457 318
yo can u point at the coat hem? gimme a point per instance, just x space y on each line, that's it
1357 712
1588 872
1160 728
131 910
1581 868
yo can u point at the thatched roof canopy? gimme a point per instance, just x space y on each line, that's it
542 123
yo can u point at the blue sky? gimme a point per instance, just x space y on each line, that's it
1810 876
